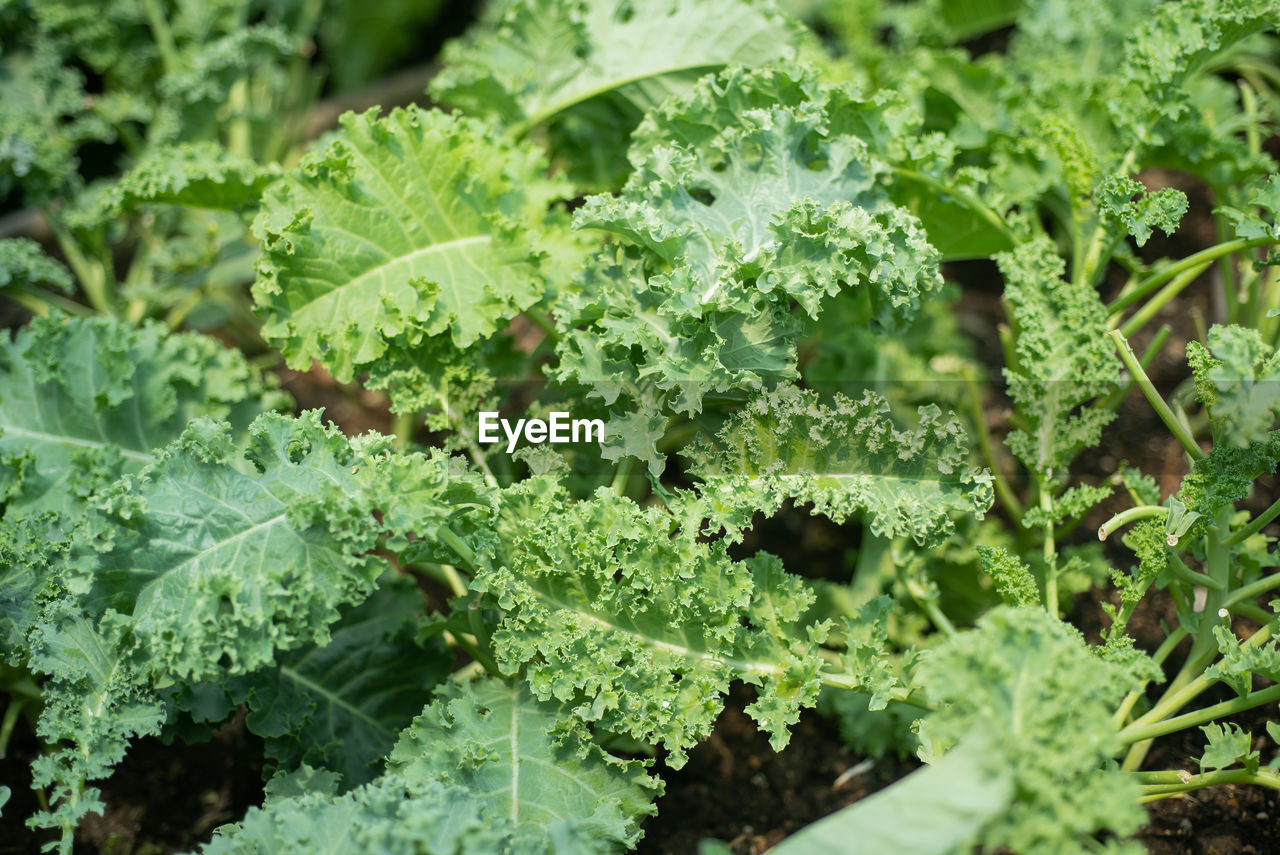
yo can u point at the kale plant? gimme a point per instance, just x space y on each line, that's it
744 239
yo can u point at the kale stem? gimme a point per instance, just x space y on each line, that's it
1183 690
1166 647
1130 515
1194 577
1050 552
1162 785
163 36
1252 590
930 607
543 321
455 543
1139 318
1166 415
620 476
1199 259
1113 401
1008 499
1182 722
402 426
473 448
481 632
1255 525
11 714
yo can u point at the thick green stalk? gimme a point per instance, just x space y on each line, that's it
1176 427
1201 716
1255 525
1175 287
1004 491
1162 785
1202 258
1125 517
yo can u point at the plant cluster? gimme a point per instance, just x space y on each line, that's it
736 233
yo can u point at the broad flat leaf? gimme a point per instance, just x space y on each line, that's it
413 225
83 401
528 762
591 69
341 705
846 458
937 810
636 623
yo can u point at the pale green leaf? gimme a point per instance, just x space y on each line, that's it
413 225
845 458
529 762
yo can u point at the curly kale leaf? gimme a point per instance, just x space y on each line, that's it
414 225
531 763
23 262
83 401
639 624
340 705
96 700
486 768
387 816
1064 360
221 561
1012 578
590 70
846 458
1123 201
763 192
1248 224
1237 377
194 175
1031 679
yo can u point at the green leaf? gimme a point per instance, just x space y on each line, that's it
221 562
1239 664
589 70
1248 224
340 705
1123 201
755 192
845 458
1228 745
194 175
23 262
937 810
1054 735
1238 379
530 763
637 624
386 817
414 225
1012 577
83 401
1064 360
96 699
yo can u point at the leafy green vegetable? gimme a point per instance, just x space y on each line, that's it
410 226
590 70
